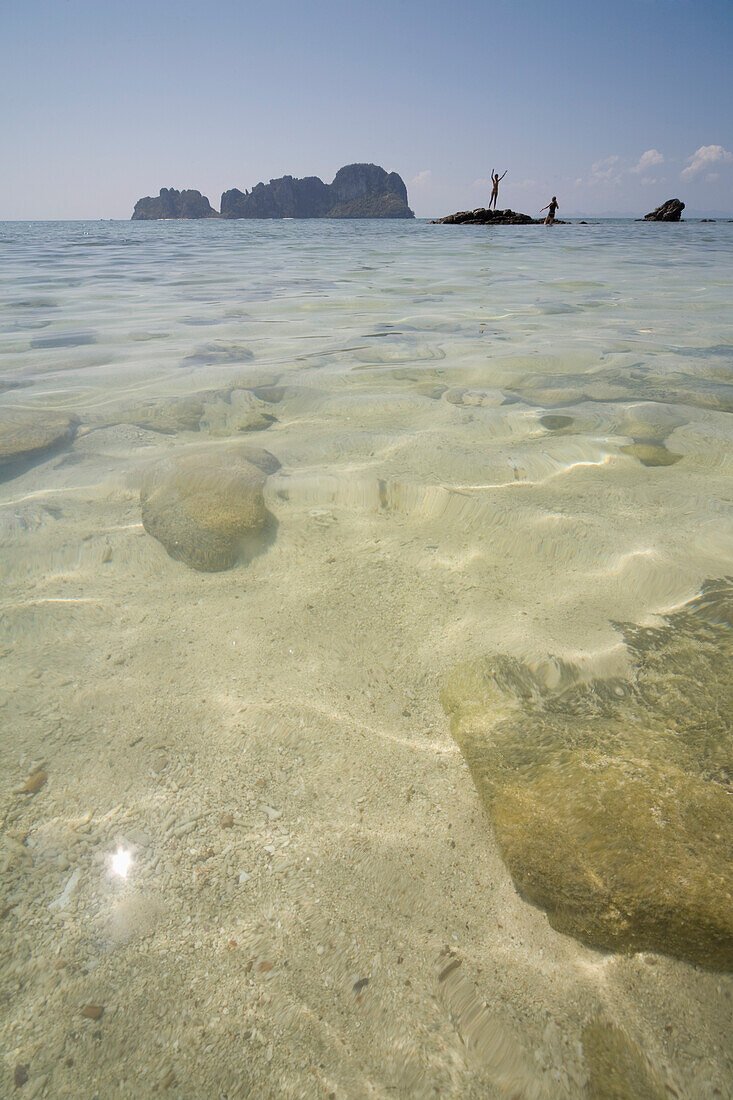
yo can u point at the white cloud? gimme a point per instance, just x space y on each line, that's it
646 180
648 160
712 177
604 171
705 157
421 177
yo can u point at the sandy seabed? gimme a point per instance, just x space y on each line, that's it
314 905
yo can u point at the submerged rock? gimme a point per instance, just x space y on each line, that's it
204 505
556 422
651 454
706 388
217 353
26 436
225 411
618 1069
669 211
611 800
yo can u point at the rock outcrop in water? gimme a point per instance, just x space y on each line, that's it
611 800
27 437
206 506
172 204
480 216
357 191
669 211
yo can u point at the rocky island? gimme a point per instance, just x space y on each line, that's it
357 191
669 211
172 204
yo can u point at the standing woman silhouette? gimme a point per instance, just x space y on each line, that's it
495 181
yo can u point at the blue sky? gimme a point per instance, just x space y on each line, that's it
613 107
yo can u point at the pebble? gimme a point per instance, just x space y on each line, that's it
33 783
272 813
227 821
68 891
92 1011
35 1086
243 877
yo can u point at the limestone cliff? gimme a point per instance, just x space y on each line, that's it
173 204
357 191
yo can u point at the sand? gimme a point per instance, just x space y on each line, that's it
314 904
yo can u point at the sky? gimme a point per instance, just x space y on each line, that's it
612 106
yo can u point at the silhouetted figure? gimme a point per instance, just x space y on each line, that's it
550 208
495 181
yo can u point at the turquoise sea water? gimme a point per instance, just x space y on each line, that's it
257 846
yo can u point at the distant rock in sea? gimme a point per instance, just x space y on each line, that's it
357 191
491 217
669 211
173 204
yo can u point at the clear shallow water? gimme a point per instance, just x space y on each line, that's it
491 443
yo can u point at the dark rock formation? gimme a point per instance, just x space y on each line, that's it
669 211
173 204
491 217
367 191
282 198
358 191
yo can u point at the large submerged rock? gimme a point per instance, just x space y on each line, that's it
26 437
206 505
669 211
611 800
173 204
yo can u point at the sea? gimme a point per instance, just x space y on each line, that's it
422 789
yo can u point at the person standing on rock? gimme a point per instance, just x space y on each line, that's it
495 181
551 209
